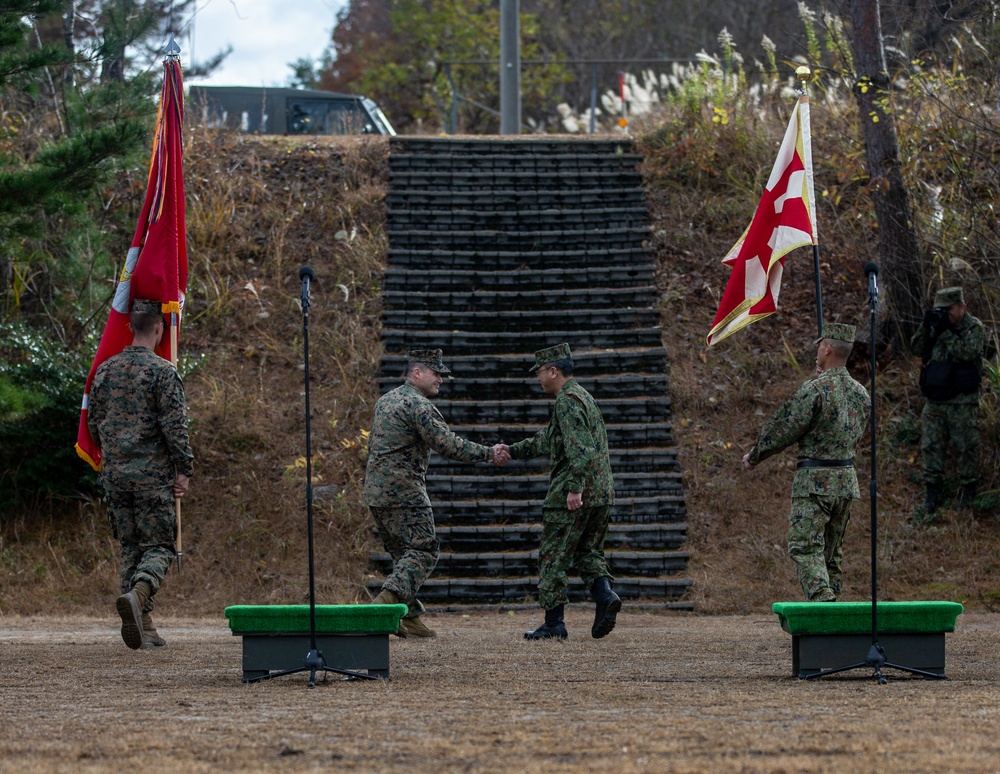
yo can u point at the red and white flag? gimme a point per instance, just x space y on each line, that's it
785 219
156 265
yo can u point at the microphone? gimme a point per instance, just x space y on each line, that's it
306 274
872 271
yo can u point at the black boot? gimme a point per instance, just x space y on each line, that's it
608 605
931 500
553 628
967 496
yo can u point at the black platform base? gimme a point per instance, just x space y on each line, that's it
266 652
812 653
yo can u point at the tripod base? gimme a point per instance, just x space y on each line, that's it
876 662
268 655
314 663
816 654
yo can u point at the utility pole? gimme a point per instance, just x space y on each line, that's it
510 66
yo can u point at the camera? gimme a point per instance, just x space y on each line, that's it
936 317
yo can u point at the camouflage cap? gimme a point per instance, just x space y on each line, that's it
147 305
837 332
551 355
949 296
430 358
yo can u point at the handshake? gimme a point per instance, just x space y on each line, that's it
501 454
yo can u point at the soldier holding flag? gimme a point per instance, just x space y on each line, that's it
138 420
826 417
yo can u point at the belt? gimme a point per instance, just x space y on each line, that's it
825 464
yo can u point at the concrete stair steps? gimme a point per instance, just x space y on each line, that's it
540 240
623 436
533 486
520 383
622 363
525 537
608 278
635 297
486 257
498 248
661 509
536 411
492 342
601 196
541 219
522 322
658 459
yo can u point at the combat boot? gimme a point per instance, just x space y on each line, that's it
386 597
967 496
553 628
150 639
414 627
608 605
130 607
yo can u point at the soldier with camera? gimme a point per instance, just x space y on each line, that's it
950 342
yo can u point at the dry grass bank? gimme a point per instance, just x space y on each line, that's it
260 209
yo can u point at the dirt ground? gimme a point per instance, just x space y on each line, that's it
663 692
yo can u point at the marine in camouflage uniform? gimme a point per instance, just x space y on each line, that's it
405 429
826 417
136 414
577 507
949 334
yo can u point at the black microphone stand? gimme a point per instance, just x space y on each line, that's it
314 658
876 658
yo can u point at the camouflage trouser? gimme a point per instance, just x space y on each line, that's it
145 524
815 542
960 423
570 538
408 535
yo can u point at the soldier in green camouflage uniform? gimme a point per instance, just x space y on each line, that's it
949 335
136 414
581 492
826 417
405 428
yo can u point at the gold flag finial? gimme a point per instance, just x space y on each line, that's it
802 74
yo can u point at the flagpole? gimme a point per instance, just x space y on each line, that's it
172 54
178 541
802 75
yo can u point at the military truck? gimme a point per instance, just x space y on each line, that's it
261 110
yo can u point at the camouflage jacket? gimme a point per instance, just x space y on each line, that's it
136 413
405 428
962 344
576 443
826 417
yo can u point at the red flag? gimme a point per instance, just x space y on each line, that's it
785 219
156 264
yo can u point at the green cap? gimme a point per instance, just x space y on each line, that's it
430 358
949 296
551 355
147 305
837 332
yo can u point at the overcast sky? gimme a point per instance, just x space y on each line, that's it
266 35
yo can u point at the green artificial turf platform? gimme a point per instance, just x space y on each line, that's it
856 617
832 635
294 619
